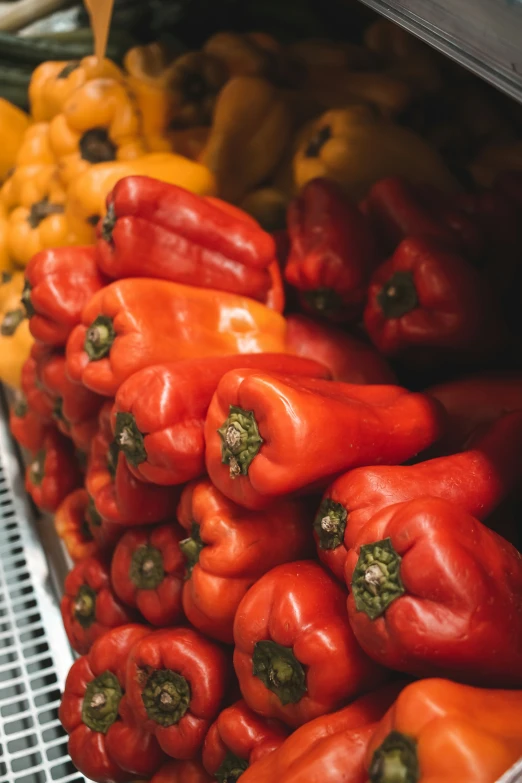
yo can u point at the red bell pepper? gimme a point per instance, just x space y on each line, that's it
89 606
239 738
332 251
38 400
59 283
228 548
329 749
439 730
267 436
147 572
73 403
427 302
83 433
135 323
296 656
120 498
53 473
473 402
153 229
433 592
27 427
176 681
182 772
160 411
105 742
347 358
477 480
73 526
104 533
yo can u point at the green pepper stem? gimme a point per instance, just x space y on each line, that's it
191 548
376 580
37 469
12 321
129 439
26 300
330 524
241 440
323 300
166 697
146 569
96 146
99 338
395 760
85 606
108 223
231 769
20 405
101 702
398 296
279 670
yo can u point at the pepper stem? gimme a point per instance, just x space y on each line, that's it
108 223
41 210
99 338
146 568
93 518
101 702
68 69
85 606
20 406
318 141
129 439
166 697
323 300
37 469
330 524
12 321
279 671
96 146
231 769
191 548
376 580
26 299
241 440
398 296
395 760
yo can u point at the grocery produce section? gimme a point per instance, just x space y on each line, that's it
260 351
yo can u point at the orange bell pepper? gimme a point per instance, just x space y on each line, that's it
14 123
439 731
36 147
134 323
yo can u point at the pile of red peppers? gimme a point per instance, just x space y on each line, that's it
287 470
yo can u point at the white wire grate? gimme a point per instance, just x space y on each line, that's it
34 652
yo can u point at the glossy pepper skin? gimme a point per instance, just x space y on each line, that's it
160 411
428 299
72 524
438 730
475 401
53 473
332 251
476 480
296 657
118 496
191 771
177 235
330 748
147 570
176 681
133 323
237 739
267 435
228 548
73 403
27 427
434 592
348 359
89 606
59 283
105 743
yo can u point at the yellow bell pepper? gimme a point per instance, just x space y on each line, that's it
6 263
356 147
99 122
194 80
14 349
251 128
14 123
52 83
86 196
247 54
36 146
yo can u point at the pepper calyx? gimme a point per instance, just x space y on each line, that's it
99 338
26 299
37 469
129 439
166 697
146 570
231 769
398 296
85 606
279 671
68 69
318 141
97 147
330 524
20 406
108 222
325 301
376 580
11 321
191 548
41 210
241 440
101 702
395 760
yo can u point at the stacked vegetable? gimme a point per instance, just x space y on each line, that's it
287 565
